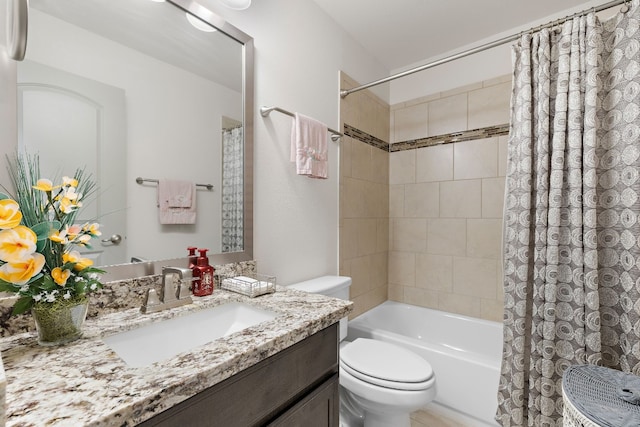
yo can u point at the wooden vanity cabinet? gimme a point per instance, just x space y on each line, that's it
318 409
295 387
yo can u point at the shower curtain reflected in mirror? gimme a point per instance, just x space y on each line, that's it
571 247
232 187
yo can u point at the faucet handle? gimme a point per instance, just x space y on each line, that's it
150 299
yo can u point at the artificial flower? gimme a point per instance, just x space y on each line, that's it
10 215
21 272
45 185
60 236
71 194
92 229
36 246
69 182
17 243
60 276
67 205
74 230
75 257
83 263
83 240
51 296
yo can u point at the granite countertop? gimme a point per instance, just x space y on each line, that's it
86 383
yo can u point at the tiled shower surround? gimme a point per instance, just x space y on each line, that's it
364 198
444 210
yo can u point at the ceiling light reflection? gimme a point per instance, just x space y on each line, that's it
236 4
200 25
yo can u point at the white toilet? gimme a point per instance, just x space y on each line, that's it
381 383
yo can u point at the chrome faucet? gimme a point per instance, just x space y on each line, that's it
174 293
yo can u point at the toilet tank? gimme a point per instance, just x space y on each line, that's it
330 286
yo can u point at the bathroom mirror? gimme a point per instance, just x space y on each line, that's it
137 91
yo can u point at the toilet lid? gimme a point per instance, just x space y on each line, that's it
385 364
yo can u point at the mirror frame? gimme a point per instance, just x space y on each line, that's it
147 268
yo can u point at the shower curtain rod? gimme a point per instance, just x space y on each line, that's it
491 45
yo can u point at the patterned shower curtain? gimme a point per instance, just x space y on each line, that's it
572 212
232 190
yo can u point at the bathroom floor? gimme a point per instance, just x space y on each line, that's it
432 419
437 416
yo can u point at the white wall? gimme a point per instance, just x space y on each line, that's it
8 130
478 67
299 53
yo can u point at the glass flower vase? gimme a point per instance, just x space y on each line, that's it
60 322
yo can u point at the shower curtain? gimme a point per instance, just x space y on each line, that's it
572 205
232 190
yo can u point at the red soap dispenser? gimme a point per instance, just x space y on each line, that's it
193 259
202 275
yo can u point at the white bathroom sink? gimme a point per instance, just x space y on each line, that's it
168 338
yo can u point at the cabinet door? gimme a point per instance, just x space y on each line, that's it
255 396
320 408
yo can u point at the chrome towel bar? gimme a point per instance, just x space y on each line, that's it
143 180
265 111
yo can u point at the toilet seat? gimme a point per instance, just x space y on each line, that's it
386 365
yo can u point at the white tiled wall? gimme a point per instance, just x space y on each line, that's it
469 107
446 227
446 202
364 199
424 226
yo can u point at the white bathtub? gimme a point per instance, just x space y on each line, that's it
464 352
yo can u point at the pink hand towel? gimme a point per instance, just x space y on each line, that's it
176 202
309 147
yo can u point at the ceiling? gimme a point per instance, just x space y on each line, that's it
403 32
159 30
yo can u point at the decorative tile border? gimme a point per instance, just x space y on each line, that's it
365 137
468 135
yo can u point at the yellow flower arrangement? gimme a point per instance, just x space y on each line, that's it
38 235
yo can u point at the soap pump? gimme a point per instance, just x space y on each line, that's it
203 275
193 259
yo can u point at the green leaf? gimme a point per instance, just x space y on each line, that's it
48 284
35 278
81 287
8 287
23 304
4 196
43 230
92 270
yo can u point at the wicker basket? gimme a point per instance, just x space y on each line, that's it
592 397
571 417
